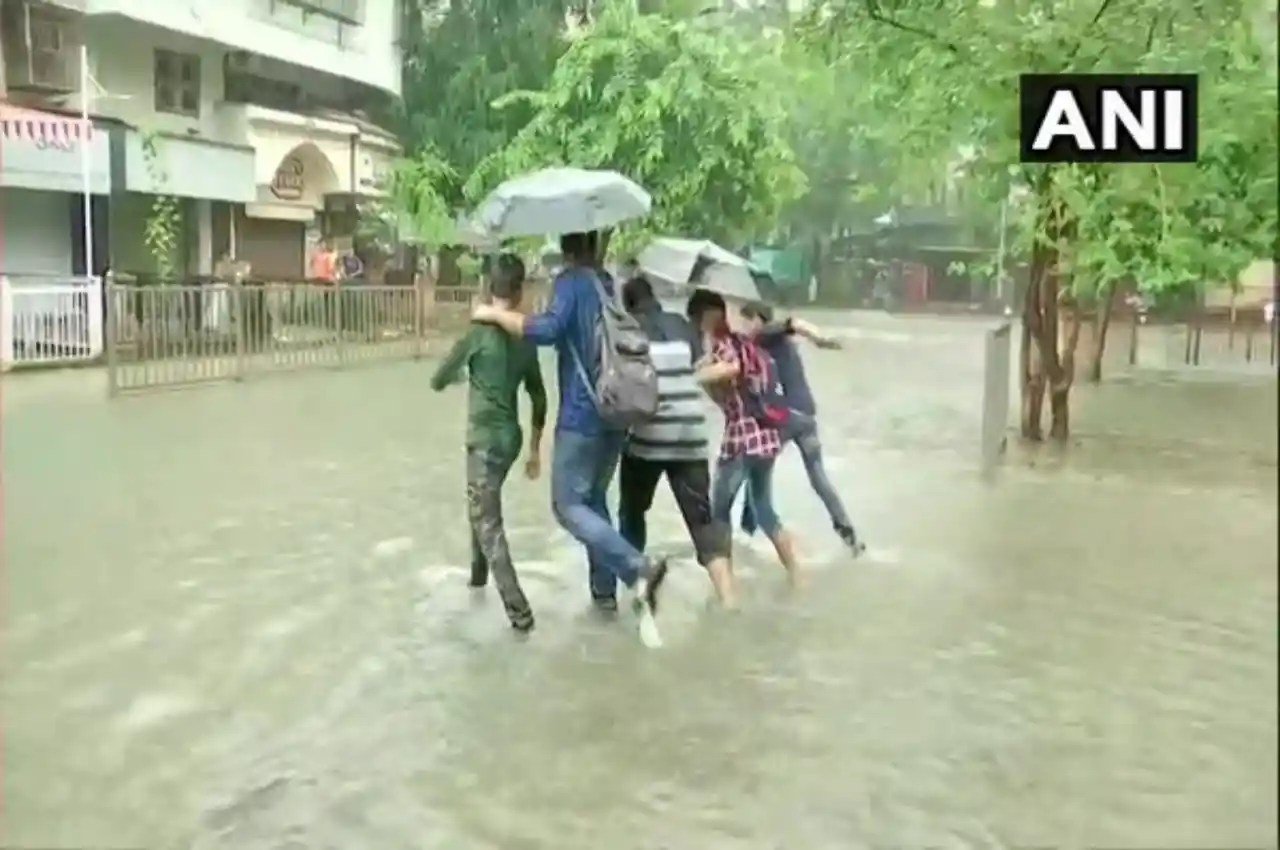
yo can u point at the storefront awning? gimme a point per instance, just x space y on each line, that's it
44 151
187 168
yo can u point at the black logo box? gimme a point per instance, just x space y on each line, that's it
1035 91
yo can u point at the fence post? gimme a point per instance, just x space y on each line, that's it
109 316
1133 339
336 295
238 308
419 326
96 316
995 396
6 324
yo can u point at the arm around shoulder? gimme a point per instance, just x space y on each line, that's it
550 326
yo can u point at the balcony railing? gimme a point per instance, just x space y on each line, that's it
346 11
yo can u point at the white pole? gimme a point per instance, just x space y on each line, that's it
85 162
1004 211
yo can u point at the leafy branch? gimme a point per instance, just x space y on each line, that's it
162 230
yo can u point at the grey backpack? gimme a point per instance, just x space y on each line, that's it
625 391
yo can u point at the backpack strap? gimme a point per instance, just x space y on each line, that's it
605 297
582 373
579 366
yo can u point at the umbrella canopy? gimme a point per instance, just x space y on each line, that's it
731 281
561 200
700 263
675 260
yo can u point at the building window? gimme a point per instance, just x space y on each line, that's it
177 83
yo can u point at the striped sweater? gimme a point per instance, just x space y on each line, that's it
679 430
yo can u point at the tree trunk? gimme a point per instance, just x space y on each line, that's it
447 271
1101 324
1032 367
1042 365
1060 389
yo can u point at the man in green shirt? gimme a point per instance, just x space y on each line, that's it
497 365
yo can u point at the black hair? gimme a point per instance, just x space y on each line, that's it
636 293
701 301
506 279
758 310
579 247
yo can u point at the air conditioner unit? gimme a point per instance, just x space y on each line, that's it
40 49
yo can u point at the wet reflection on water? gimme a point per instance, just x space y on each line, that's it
236 618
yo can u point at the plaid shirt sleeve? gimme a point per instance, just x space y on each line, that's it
725 351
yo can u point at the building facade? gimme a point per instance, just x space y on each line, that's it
251 118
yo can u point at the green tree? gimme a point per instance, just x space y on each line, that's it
459 56
938 83
690 116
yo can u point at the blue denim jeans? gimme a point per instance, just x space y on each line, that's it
581 470
804 433
757 474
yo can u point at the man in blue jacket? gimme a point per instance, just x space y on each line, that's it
587 449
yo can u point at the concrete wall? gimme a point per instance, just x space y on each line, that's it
367 54
122 60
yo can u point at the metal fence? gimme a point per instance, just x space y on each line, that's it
995 394
47 320
1242 338
182 334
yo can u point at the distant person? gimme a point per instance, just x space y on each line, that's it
496 366
323 269
324 263
673 445
734 370
587 448
802 423
351 266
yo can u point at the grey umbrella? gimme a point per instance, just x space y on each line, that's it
561 200
699 263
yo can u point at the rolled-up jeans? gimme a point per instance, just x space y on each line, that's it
487 470
755 472
582 469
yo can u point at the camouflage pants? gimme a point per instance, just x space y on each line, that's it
486 471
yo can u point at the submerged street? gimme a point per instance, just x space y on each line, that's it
236 617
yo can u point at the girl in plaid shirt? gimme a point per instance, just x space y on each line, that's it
733 365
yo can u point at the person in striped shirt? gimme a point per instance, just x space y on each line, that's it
673 444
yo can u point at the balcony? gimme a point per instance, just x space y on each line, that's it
345 11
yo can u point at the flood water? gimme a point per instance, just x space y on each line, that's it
236 617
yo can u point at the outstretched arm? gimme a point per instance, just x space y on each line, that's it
812 333
799 328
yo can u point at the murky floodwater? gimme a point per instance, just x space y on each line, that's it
236 618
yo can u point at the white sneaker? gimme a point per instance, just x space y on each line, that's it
649 634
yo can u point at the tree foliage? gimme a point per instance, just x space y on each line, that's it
690 116
937 82
937 86
459 56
